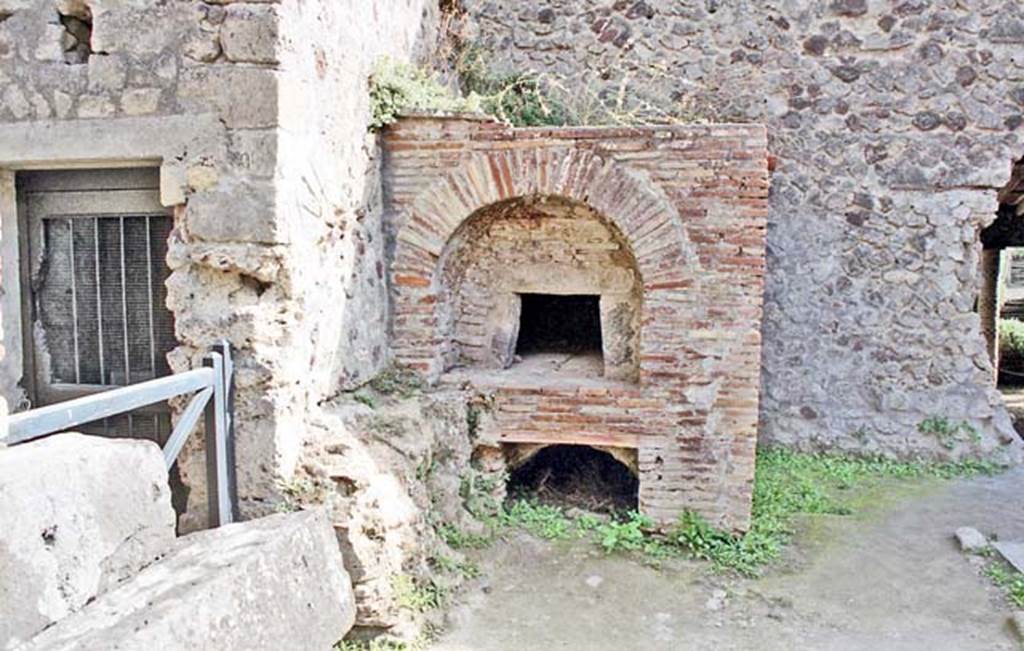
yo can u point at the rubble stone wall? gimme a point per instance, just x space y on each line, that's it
894 124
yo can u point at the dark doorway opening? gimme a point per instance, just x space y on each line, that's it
576 476
559 324
1000 303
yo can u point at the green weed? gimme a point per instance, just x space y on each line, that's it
458 539
465 569
396 87
419 596
1009 580
477 491
365 399
381 645
541 520
425 468
397 381
949 433
786 484
1011 336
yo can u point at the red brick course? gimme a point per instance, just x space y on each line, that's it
691 202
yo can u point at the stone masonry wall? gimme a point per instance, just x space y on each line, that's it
160 85
256 113
893 125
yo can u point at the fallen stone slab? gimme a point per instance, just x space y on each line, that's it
273 583
971 540
1013 552
77 514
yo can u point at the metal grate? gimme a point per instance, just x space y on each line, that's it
101 299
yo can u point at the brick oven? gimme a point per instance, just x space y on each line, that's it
596 287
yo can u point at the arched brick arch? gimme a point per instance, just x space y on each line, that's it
638 208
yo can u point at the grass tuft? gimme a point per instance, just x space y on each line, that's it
419 596
1009 580
787 484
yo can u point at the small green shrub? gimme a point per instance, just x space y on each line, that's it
949 433
543 521
465 569
1009 580
519 99
380 644
365 399
397 381
477 490
396 87
458 539
420 596
1011 336
786 484
631 534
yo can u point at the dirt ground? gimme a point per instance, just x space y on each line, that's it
889 577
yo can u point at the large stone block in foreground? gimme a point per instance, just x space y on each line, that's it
275 583
77 515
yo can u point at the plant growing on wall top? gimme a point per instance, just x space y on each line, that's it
522 99
396 87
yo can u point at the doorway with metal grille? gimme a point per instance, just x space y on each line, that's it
93 251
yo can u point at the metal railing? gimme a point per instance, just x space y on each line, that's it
213 387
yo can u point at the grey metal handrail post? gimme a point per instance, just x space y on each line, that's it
219 498
213 399
224 348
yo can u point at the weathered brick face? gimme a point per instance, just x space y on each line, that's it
545 245
668 222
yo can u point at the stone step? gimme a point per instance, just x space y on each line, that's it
273 583
78 514
1013 552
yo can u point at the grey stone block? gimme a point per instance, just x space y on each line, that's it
1013 552
273 583
971 540
79 513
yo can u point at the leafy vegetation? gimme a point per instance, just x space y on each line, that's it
787 484
533 98
397 87
465 569
418 595
1011 336
477 491
949 433
521 99
458 539
397 381
380 644
1009 580
365 399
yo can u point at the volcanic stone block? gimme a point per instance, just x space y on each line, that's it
79 513
1013 552
273 583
